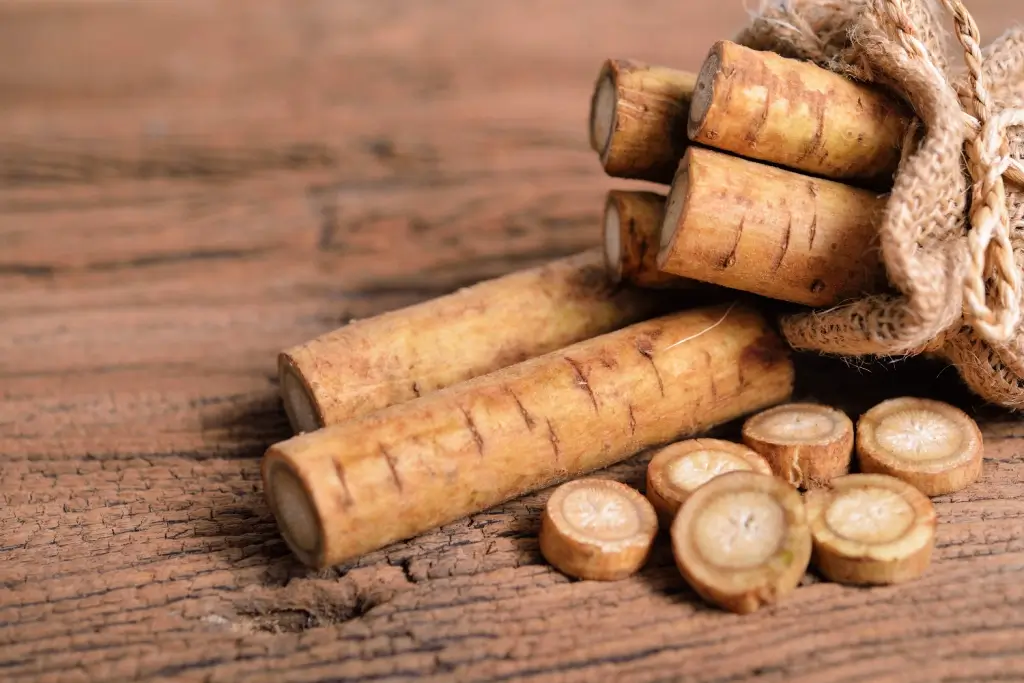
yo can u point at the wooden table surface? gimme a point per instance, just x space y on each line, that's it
190 186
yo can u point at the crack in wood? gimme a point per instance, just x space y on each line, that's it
146 261
328 225
28 270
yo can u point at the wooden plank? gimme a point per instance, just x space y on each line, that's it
187 187
221 89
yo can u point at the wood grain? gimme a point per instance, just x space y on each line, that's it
188 187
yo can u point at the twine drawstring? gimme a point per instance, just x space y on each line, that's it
994 312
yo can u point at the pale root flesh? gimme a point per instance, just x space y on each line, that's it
871 529
675 204
760 229
298 517
298 403
798 426
602 119
704 94
931 445
405 470
597 529
632 232
792 113
871 516
699 467
679 469
806 444
638 119
741 540
400 355
739 530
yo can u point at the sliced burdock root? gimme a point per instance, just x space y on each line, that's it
806 444
931 445
597 529
870 529
679 469
741 540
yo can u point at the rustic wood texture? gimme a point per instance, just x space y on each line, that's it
189 187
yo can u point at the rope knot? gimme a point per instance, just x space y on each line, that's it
992 284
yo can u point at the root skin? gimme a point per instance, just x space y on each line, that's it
638 217
404 354
760 105
804 463
923 421
667 493
902 555
638 119
748 588
533 427
602 556
768 231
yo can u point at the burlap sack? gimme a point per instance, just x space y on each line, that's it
952 236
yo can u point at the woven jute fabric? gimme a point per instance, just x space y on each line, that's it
952 233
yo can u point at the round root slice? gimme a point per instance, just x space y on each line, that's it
741 541
613 240
597 529
806 444
297 517
603 114
870 529
298 400
677 470
929 444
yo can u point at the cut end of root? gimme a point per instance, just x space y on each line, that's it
612 240
799 423
741 540
870 529
674 207
739 529
602 113
295 512
703 93
677 470
298 403
931 445
597 529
